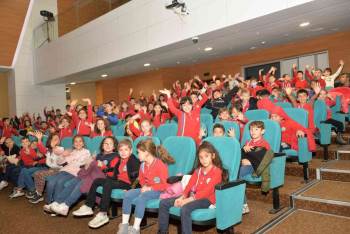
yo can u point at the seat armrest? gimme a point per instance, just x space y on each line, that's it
230 184
174 179
280 154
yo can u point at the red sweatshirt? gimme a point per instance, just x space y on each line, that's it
309 108
188 123
66 132
260 143
312 77
106 133
203 185
29 159
8 131
160 119
137 132
154 175
83 126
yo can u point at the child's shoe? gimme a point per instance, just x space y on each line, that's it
3 184
245 209
99 220
36 199
134 231
84 210
16 193
123 228
61 209
30 194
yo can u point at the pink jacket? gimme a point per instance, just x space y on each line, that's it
76 159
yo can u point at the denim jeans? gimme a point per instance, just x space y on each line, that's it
185 213
55 184
134 196
243 171
12 173
71 193
25 179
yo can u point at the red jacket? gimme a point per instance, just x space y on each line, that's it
66 132
160 119
309 108
83 126
188 123
106 133
312 77
154 175
8 131
203 185
29 159
137 132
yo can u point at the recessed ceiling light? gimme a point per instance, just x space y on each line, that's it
263 42
253 48
304 24
104 75
208 49
72 83
178 62
316 29
146 64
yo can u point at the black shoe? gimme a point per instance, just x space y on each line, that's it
36 199
340 140
30 194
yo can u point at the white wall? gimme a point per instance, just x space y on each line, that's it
140 26
24 94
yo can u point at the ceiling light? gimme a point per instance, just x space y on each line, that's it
178 62
304 24
263 42
72 83
208 49
104 75
146 64
253 48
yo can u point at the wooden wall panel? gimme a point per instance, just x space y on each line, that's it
338 46
4 96
12 15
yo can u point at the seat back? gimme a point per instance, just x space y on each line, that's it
284 104
256 114
230 154
155 140
227 125
44 139
94 145
166 130
205 110
120 131
207 120
337 107
183 150
299 115
320 112
17 140
119 138
88 144
67 142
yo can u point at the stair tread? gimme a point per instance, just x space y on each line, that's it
329 190
338 164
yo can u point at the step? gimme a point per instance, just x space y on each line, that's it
335 151
296 169
325 196
292 184
310 222
338 170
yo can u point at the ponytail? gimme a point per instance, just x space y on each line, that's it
164 155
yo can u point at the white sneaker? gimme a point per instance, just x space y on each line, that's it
47 207
99 220
3 184
84 210
61 209
245 209
16 193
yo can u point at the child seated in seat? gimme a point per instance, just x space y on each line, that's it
238 115
153 176
11 172
199 192
121 172
253 152
224 114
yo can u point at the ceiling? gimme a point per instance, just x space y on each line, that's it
277 28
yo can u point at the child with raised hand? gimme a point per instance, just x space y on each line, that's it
71 164
65 128
146 128
100 128
121 173
12 170
7 129
188 117
219 131
199 192
30 163
329 78
160 114
53 153
153 176
253 152
82 119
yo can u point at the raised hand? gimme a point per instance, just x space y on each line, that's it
166 92
88 100
288 90
131 91
317 88
73 103
341 62
38 134
231 132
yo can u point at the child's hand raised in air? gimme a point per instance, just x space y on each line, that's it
300 133
231 133
87 100
166 92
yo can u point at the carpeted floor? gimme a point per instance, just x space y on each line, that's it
339 164
309 222
19 216
332 190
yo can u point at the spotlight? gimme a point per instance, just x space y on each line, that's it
48 16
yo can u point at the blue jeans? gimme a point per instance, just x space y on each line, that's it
71 193
55 184
25 179
243 171
12 173
185 213
134 196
